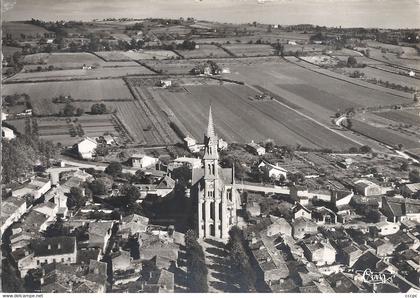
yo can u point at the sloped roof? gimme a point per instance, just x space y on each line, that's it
53 246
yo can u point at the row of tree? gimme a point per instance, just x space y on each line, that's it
196 266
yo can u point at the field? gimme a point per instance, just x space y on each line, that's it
384 135
249 50
76 74
318 95
69 131
172 66
373 73
239 119
393 58
204 51
411 117
16 29
140 55
42 93
45 58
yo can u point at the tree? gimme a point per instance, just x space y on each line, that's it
114 169
365 149
130 193
102 150
56 229
405 166
75 198
69 110
351 61
98 108
98 187
196 267
239 261
414 176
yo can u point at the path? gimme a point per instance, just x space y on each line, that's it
218 278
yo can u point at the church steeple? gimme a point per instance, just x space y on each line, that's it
210 126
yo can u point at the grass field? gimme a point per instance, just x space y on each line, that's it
406 117
16 29
141 55
42 93
69 74
53 58
249 50
239 119
318 95
204 51
384 135
59 129
172 66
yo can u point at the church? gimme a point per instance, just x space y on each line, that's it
213 189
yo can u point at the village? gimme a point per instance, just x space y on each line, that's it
188 156
308 221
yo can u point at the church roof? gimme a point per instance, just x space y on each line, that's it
210 127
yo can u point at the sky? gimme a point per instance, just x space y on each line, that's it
346 13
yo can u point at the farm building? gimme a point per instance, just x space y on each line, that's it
143 161
36 188
165 83
319 251
86 148
272 171
7 133
193 163
255 148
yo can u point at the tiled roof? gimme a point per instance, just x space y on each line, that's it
53 246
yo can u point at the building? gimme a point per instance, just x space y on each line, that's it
279 226
400 210
256 149
99 234
319 251
367 188
192 163
37 187
351 254
143 161
382 247
303 226
86 148
133 224
386 228
214 190
192 145
12 210
160 281
301 211
272 171
409 190
7 133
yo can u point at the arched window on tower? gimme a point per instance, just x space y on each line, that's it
212 211
213 169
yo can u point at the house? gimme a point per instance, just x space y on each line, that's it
367 188
192 163
299 210
272 171
160 281
271 264
279 226
323 215
221 144
319 251
63 278
255 148
409 190
143 161
382 247
86 148
121 261
132 225
157 244
99 234
192 145
12 210
37 187
412 73
7 133
387 228
342 283
253 209
351 254
165 83
46 251
400 210
368 260
109 140
303 226
165 186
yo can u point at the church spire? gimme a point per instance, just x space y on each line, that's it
210 127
